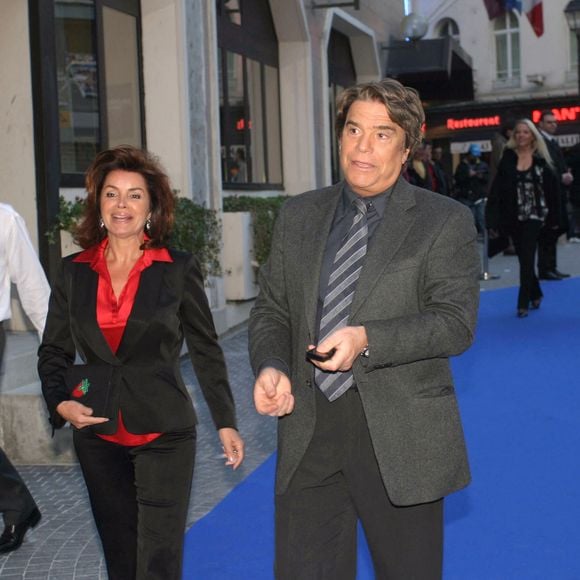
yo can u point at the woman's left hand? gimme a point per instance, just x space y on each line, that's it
233 446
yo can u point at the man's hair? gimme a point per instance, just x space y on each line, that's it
508 124
403 105
127 158
546 113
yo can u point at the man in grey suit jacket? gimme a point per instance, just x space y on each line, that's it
389 448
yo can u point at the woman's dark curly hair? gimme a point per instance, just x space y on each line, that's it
403 105
127 158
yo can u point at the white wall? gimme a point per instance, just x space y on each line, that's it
296 96
17 173
548 55
165 93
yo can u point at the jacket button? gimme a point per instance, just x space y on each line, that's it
309 383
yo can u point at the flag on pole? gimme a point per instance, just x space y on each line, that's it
494 8
513 5
535 14
532 9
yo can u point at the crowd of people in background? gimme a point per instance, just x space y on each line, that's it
471 184
530 186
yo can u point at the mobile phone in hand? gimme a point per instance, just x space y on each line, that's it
314 354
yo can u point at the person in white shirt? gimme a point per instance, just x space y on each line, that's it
18 265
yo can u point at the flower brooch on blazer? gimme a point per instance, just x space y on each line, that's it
81 389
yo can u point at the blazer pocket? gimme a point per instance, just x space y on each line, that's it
436 392
91 386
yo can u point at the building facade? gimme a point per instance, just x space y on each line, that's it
234 96
516 73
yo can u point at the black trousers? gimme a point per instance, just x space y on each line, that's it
525 237
337 483
16 503
139 497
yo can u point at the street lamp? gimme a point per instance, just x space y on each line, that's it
414 27
572 12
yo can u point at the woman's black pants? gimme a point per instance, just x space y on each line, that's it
525 237
139 497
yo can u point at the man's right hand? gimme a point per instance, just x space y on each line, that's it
78 415
273 393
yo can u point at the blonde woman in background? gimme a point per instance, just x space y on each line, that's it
524 199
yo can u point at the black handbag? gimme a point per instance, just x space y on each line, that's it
91 386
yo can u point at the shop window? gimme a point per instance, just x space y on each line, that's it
507 50
249 88
448 27
99 80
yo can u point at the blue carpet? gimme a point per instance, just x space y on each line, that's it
519 391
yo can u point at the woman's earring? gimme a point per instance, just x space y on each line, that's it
148 225
101 223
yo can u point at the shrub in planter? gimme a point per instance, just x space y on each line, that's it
197 229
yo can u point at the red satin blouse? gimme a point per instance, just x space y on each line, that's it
113 314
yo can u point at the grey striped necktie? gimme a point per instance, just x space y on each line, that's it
344 275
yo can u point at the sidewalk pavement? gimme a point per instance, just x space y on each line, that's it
507 267
64 545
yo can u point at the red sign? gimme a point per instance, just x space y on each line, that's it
562 114
469 122
241 124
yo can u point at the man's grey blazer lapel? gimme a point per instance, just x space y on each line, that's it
390 235
318 220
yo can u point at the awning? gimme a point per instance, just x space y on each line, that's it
437 67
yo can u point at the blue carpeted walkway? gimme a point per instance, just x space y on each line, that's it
519 391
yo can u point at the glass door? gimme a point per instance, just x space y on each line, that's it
99 78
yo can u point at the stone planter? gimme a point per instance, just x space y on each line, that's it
238 262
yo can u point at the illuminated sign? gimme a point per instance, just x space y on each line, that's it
241 124
562 114
470 122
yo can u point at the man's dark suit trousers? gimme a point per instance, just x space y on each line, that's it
337 483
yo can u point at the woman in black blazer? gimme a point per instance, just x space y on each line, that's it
124 306
524 198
